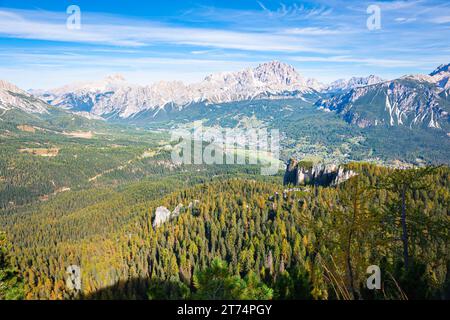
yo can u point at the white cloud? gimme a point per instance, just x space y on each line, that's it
405 20
128 33
314 31
378 62
400 5
329 45
295 11
441 20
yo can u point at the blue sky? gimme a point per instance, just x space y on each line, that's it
147 41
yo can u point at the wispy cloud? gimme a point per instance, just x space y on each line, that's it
441 20
370 61
295 11
127 33
315 31
400 4
405 20
328 39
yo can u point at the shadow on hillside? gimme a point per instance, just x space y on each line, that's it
141 289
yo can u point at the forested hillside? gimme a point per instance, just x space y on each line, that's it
253 237
224 150
89 198
11 286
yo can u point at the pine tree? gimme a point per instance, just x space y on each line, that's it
11 287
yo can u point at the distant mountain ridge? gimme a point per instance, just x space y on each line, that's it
405 119
414 100
20 109
115 97
13 97
343 85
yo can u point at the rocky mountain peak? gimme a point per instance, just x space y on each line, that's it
414 101
115 78
278 73
113 95
442 76
12 97
343 85
443 68
373 79
7 86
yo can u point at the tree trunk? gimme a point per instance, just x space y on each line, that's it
350 271
349 243
404 228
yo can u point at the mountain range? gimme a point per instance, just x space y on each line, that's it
412 100
343 85
114 97
12 97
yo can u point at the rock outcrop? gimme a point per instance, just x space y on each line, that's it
163 215
291 174
319 174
